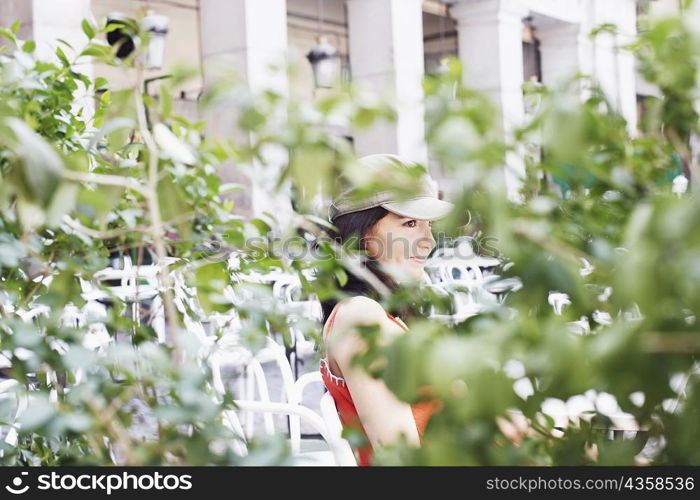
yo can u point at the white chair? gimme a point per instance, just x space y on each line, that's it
242 422
11 388
330 416
340 453
287 289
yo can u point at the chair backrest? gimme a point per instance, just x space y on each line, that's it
10 389
329 412
340 450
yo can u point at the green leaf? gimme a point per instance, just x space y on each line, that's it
607 28
97 50
117 131
64 288
30 215
62 202
262 226
211 279
251 119
62 57
9 35
29 46
97 203
341 275
87 29
62 41
100 83
171 146
182 74
77 422
16 26
42 166
11 250
173 205
101 111
311 169
83 78
166 100
39 413
364 117
234 237
120 107
231 187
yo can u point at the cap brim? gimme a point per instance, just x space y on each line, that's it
427 208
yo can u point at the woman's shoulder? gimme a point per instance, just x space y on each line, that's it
350 313
359 309
364 311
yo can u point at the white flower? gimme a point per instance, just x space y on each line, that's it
637 398
580 327
556 408
558 300
587 268
602 317
171 146
680 184
606 404
514 368
606 294
523 388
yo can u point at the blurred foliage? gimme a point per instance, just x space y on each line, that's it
86 180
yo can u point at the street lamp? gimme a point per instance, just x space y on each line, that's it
157 27
124 34
121 33
324 59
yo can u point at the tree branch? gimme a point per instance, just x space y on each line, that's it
107 180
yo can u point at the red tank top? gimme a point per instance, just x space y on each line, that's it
347 412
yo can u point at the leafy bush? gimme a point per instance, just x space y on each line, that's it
598 220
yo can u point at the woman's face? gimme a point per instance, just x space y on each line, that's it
401 243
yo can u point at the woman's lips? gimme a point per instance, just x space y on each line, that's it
420 260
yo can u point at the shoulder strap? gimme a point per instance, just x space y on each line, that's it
398 321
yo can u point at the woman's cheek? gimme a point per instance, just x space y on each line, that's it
403 232
405 243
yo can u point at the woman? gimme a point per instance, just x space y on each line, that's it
397 237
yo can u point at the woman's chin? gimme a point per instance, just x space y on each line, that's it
417 276
414 273
403 273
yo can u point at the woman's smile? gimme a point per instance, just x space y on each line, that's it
418 260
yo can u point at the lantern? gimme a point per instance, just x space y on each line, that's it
324 59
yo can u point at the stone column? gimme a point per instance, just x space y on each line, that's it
46 21
567 48
614 65
248 37
386 56
490 49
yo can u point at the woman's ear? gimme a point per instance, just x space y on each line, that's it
363 244
366 236
371 243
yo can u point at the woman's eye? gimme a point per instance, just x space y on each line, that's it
410 223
